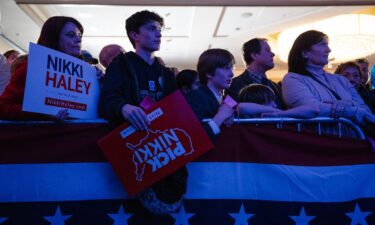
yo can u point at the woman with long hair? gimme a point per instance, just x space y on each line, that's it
308 83
60 33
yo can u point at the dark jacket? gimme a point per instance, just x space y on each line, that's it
368 96
204 105
11 100
244 80
121 84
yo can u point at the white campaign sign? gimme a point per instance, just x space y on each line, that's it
59 81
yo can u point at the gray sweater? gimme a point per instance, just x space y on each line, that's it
303 90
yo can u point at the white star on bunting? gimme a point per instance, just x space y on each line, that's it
120 218
358 217
302 219
58 218
241 217
181 218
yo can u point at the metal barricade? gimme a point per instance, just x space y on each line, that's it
279 122
318 121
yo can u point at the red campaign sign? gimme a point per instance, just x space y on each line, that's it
174 138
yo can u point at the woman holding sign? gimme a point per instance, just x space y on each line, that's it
60 33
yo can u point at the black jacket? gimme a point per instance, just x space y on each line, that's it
122 84
204 105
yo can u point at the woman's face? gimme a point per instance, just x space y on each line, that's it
353 75
318 54
70 39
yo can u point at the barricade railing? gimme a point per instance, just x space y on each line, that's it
318 121
278 122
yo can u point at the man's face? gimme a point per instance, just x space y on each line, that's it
149 37
222 77
265 56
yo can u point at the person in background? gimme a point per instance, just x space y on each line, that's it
17 62
4 73
87 57
259 59
174 70
11 55
307 83
257 100
353 73
187 80
363 65
60 33
108 53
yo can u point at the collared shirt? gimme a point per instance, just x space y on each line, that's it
262 79
257 78
218 96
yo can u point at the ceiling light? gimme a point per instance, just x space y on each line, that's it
246 15
351 36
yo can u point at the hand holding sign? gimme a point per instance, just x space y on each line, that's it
62 114
142 158
225 112
136 116
62 82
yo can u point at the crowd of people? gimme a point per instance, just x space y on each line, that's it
306 91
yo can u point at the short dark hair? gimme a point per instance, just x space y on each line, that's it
7 54
250 47
212 59
362 60
186 78
256 93
296 61
138 19
344 66
50 33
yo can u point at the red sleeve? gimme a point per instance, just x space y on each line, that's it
12 98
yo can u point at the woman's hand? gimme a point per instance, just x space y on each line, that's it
62 115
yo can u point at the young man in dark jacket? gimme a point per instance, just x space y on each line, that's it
131 77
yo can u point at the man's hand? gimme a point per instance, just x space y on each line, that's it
136 116
223 114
